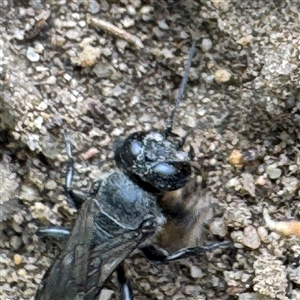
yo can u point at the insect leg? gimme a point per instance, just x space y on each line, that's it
186 252
158 256
74 198
124 284
55 232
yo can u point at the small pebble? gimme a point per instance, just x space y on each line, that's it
206 45
30 267
196 272
249 296
69 24
50 80
72 34
217 227
102 70
15 242
42 106
291 184
19 34
67 76
163 25
261 180
22 273
167 53
273 172
127 22
251 237
18 218
38 122
39 48
245 40
76 16
88 56
32 55
248 183
121 44
3 273
91 152
18 259
183 35
222 76
106 294
131 10
82 23
236 158
51 185
146 9
94 7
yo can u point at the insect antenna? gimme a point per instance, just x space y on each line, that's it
169 122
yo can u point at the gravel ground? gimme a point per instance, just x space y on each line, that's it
64 66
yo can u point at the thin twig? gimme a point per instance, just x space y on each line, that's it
121 33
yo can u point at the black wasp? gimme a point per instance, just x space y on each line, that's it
120 215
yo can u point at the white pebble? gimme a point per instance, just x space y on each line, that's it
39 48
19 34
42 106
273 172
167 53
67 76
127 22
41 69
123 67
94 7
121 44
76 16
72 34
131 10
82 23
50 80
196 272
146 9
50 185
117 132
163 25
38 122
183 35
32 55
106 51
15 242
222 76
206 45
136 3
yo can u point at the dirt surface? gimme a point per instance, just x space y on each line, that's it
63 66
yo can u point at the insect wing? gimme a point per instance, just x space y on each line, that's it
82 268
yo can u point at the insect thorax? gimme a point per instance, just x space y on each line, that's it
120 204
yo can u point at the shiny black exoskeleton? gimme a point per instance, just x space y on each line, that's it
120 215
153 162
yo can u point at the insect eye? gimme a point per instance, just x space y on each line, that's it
169 176
164 169
135 147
